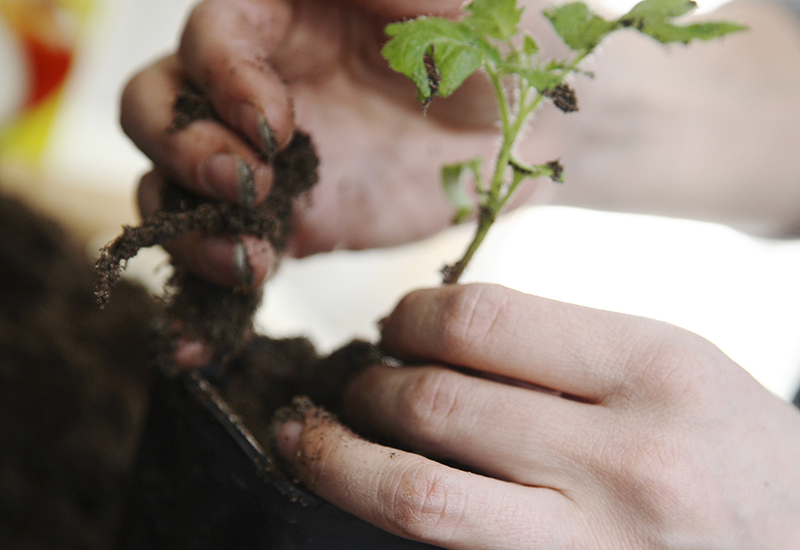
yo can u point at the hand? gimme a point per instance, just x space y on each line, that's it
271 66
648 436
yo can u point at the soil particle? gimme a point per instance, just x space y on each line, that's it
558 170
190 105
563 97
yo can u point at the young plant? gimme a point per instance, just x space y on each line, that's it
438 54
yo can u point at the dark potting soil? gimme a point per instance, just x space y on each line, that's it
74 384
197 309
74 378
269 374
73 388
257 374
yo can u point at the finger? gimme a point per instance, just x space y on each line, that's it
225 49
205 157
244 261
191 354
586 353
417 498
453 416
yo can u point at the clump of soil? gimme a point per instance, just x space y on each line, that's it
269 374
75 379
73 388
197 309
256 374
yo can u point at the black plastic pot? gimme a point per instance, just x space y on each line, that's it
202 481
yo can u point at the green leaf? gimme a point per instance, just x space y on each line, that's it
497 19
658 10
579 28
529 45
452 182
652 17
455 62
667 33
541 79
457 52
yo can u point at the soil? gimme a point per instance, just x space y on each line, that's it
73 388
74 384
75 378
196 309
267 377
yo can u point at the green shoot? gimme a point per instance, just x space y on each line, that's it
438 54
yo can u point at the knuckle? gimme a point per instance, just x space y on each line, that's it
658 479
669 366
427 504
649 476
468 317
429 403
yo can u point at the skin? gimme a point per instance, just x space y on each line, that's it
656 439
646 436
315 66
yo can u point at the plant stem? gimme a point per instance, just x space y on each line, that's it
452 273
498 194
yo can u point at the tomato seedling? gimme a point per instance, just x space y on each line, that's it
438 54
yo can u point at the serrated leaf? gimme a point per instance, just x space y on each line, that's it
529 45
579 28
667 33
457 51
455 62
496 19
659 10
541 79
452 183
653 18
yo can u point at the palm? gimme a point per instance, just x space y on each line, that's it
316 66
380 155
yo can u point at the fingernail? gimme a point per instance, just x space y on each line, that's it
220 170
241 266
287 437
246 184
392 362
254 124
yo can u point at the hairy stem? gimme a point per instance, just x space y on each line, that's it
499 192
452 273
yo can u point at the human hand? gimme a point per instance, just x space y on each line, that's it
649 436
270 66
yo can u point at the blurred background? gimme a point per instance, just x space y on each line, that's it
63 64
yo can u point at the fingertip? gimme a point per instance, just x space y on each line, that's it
269 126
191 354
287 437
230 177
244 262
262 259
224 49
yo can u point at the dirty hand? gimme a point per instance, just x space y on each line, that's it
649 436
272 66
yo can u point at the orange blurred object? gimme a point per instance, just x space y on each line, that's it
45 33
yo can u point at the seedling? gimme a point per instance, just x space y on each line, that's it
438 54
